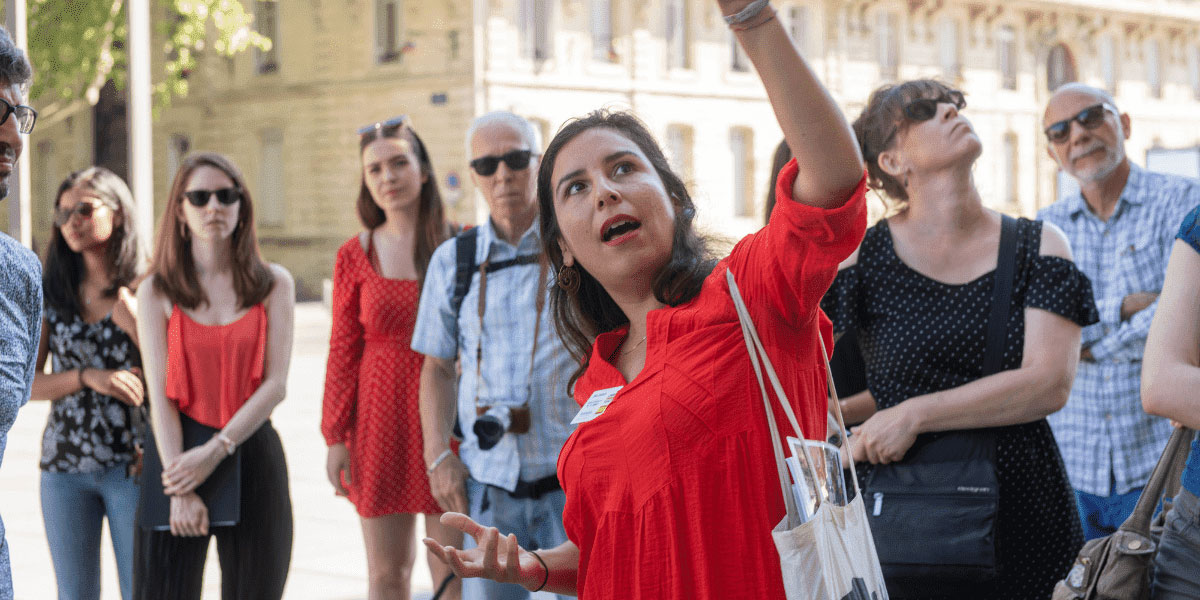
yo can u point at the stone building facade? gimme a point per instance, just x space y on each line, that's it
287 117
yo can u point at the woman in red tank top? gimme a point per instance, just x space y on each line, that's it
370 417
671 489
215 322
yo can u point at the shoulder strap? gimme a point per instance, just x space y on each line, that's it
1172 460
464 266
1006 266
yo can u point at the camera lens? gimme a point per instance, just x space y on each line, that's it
490 426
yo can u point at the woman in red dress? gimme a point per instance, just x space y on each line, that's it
672 491
370 419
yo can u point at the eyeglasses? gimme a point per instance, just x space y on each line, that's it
226 196
1090 117
62 216
388 124
25 116
516 161
924 109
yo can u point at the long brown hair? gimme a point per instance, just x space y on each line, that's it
432 228
174 269
591 310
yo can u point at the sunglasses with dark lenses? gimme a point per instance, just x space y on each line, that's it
516 161
199 198
25 116
1090 117
62 216
391 123
924 109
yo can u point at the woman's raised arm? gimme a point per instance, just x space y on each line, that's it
815 129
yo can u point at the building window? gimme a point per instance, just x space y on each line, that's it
1108 62
266 23
797 26
678 35
1010 172
1006 48
1060 67
388 25
741 145
1193 60
738 61
178 147
270 194
679 150
888 38
949 48
602 31
533 18
1154 68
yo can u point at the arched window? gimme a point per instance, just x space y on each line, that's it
1060 67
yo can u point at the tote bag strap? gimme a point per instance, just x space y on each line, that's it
756 350
1171 461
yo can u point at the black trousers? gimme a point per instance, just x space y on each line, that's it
254 554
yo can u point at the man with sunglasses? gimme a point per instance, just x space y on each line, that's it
485 303
20 272
1121 226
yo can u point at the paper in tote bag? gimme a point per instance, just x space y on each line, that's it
831 555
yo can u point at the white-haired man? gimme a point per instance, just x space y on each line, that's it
485 304
1121 226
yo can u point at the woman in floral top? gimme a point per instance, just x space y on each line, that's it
89 448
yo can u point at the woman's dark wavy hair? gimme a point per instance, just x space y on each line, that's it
591 311
432 227
881 119
65 269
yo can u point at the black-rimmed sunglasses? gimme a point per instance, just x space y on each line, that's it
924 109
1090 117
62 216
381 125
516 161
25 115
199 198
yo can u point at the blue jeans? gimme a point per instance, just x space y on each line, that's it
74 506
1102 515
1177 565
537 523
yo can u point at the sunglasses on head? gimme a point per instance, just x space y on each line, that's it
62 216
1090 117
516 161
391 123
199 198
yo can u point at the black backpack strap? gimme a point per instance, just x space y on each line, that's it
1006 267
464 266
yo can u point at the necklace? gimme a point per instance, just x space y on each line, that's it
625 351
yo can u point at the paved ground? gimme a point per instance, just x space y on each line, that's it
328 561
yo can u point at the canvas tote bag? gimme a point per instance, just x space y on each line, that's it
832 555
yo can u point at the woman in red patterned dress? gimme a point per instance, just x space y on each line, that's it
369 418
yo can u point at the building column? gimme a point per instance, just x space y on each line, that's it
141 140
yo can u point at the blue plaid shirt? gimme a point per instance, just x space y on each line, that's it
20 330
1108 442
507 341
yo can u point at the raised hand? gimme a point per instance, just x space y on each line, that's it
495 557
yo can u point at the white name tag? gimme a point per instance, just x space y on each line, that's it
596 405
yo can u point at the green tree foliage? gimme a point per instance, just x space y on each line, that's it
77 46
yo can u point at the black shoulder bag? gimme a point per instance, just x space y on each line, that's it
933 515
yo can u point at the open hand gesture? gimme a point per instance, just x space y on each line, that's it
495 557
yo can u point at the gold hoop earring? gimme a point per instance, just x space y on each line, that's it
567 279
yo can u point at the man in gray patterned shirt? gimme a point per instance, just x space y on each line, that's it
20 272
1121 226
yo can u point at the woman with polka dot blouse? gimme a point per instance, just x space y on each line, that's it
918 293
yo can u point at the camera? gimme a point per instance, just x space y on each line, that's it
493 421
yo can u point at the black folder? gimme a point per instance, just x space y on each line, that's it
221 492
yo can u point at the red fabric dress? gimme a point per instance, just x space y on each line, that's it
672 492
371 382
212 370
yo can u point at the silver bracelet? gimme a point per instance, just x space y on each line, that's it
747 13
437 461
